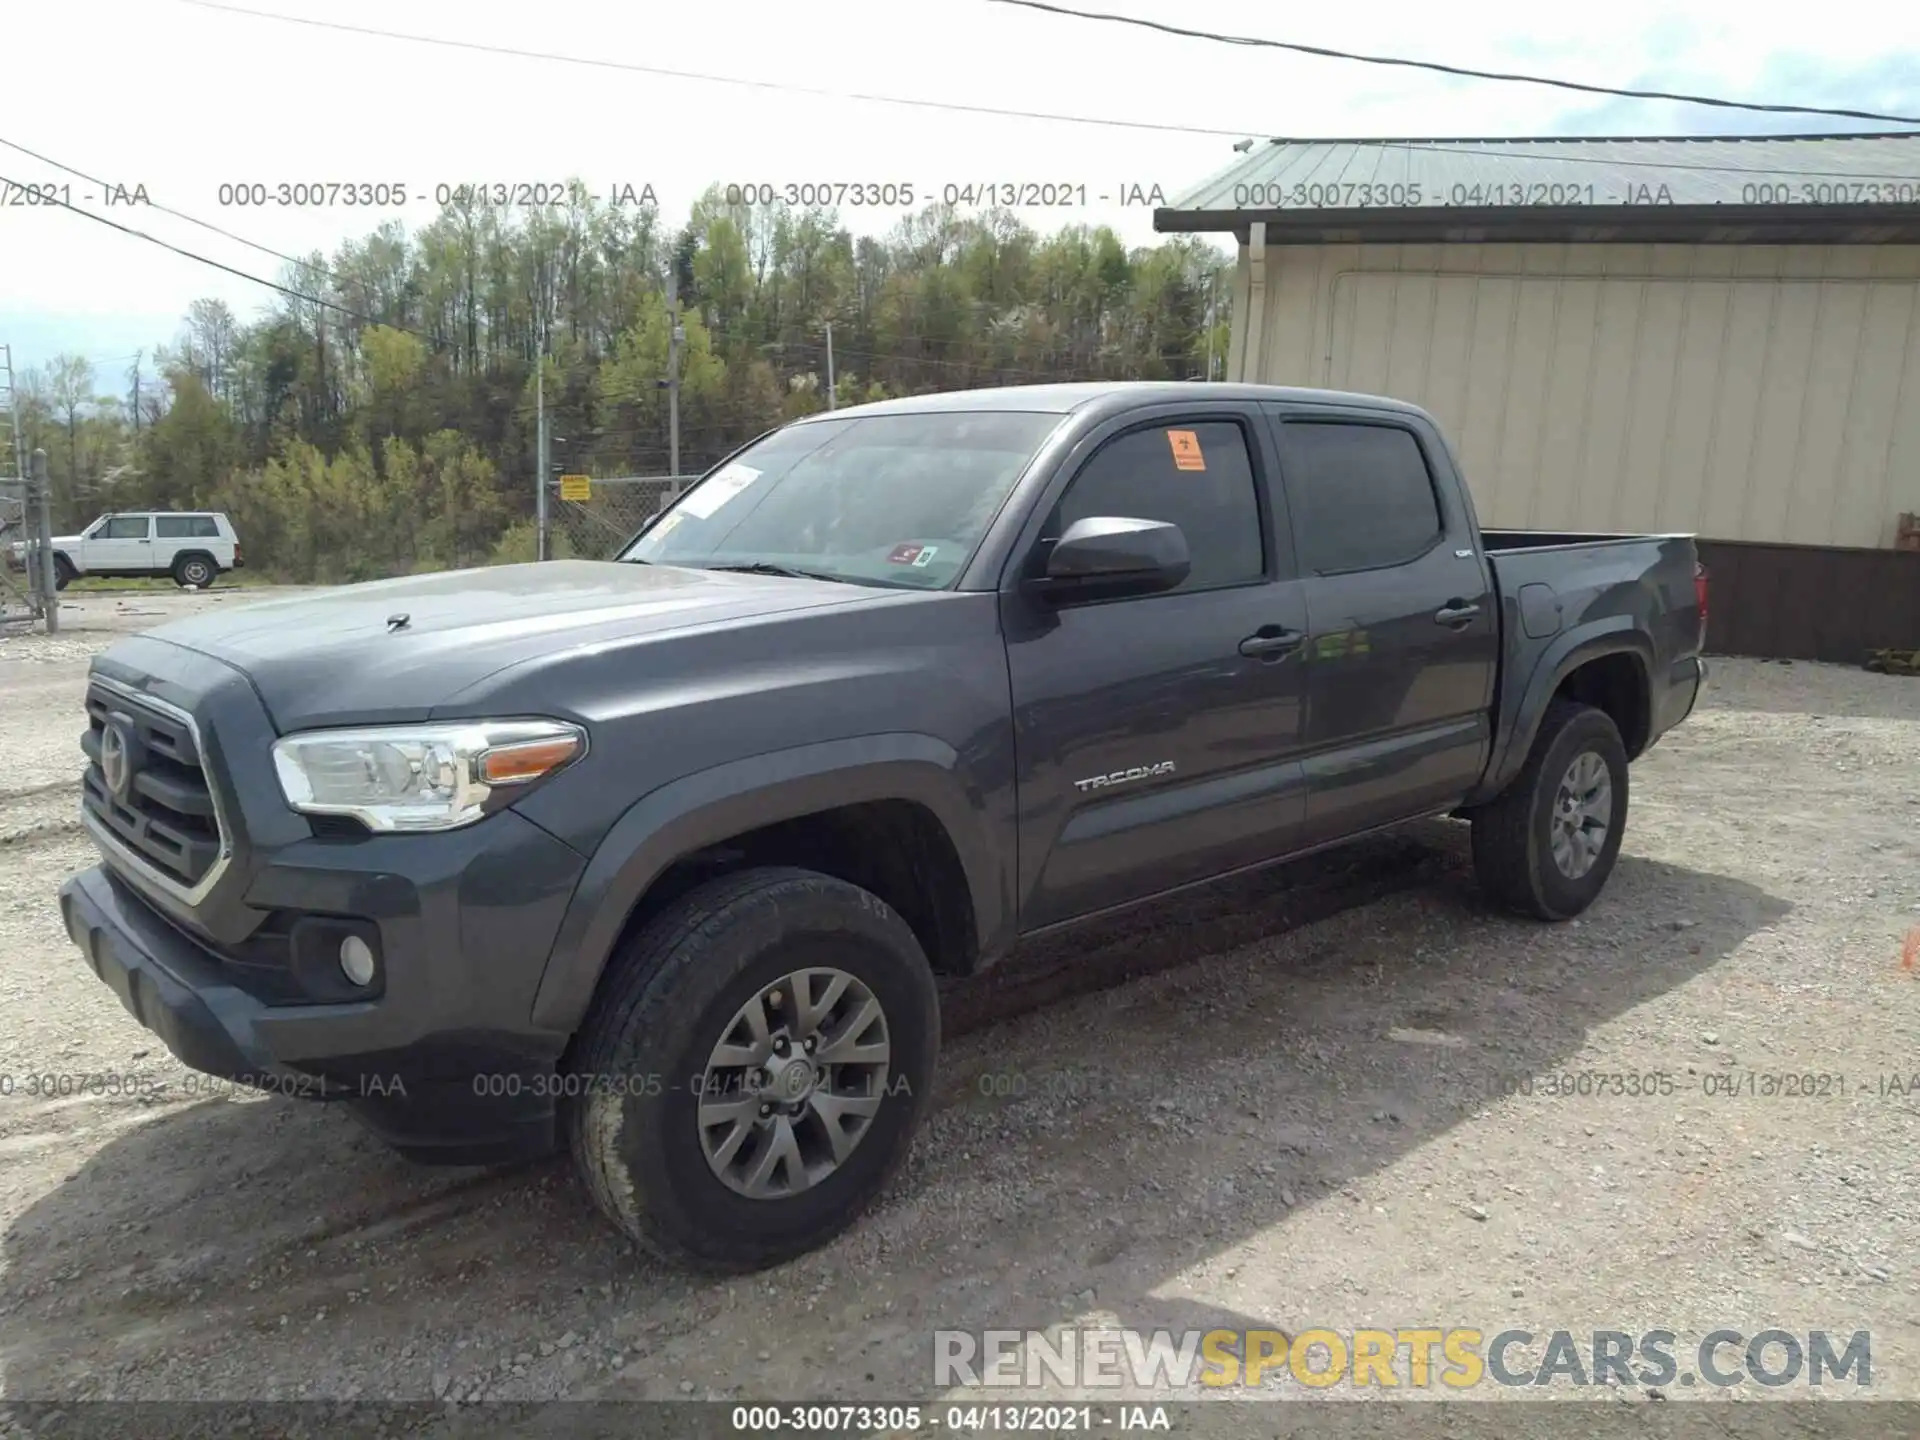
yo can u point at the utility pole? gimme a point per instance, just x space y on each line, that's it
674 336
540 449
17 477
42 491
1213 296
830 399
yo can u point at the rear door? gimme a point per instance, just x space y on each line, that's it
1405 635
174 535
1157 737
171 535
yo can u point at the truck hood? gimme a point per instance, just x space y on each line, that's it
343 657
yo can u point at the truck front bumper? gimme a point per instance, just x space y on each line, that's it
165 981
440 1064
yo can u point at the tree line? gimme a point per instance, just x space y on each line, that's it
384 421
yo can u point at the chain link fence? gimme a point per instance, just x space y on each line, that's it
19 597
599 526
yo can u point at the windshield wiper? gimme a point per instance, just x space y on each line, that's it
767 567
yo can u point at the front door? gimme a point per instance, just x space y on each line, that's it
1156 736
120 543
1405 635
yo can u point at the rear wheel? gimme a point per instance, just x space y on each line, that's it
1546 845
754 1068
194 572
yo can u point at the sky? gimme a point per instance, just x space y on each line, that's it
182 98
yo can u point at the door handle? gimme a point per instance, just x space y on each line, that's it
1455 614
1272 642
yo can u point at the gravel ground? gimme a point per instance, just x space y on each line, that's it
1285 1102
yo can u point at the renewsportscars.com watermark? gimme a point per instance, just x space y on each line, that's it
1414 1358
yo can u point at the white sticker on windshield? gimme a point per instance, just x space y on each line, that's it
718 488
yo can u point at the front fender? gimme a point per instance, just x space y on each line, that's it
713 805
1521 716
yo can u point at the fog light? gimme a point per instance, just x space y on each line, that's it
356 960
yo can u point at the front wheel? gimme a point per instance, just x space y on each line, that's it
754 1068
63 572
1546 845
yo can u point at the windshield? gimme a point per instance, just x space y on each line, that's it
879 500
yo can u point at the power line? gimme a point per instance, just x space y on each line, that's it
774 85
1438 68
177 214
241 274
97 362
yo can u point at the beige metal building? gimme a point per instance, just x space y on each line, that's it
1717 336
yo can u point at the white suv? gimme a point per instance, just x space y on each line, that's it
194 547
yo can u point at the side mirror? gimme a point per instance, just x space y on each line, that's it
1106 557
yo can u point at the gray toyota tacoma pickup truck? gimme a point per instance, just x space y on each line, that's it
658 858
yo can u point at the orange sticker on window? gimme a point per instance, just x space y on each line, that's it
1186 450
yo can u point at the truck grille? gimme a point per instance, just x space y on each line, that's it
164 810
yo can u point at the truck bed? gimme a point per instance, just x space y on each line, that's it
1509 540
1555 586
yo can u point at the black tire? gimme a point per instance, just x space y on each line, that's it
667 999
194 571
63 572
1513 834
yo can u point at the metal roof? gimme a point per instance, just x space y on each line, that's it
1860 188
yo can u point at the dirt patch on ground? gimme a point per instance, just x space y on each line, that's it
1296 1100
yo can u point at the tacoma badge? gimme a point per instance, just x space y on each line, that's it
1120 777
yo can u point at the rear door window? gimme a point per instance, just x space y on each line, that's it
1362 496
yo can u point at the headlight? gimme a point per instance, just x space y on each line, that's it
421 777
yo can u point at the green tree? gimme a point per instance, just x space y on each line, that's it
387 422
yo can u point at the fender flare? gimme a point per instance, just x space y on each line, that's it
1615 635
711 805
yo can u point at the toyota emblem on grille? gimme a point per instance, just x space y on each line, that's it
118 746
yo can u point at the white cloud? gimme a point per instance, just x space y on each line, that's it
183 99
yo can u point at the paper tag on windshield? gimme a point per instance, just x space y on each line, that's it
718 488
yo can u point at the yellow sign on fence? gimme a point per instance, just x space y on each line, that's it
576 487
